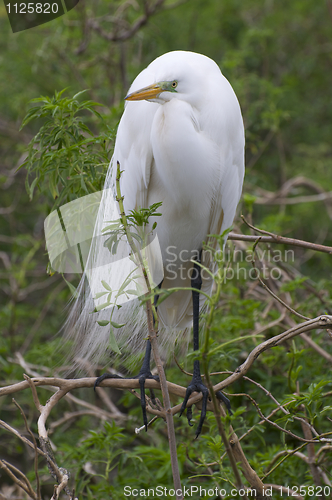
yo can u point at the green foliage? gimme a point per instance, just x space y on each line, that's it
293 285
65 154
140 218
137 220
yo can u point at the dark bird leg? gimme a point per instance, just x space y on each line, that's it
144 374
196 384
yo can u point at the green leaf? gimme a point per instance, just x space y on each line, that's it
112 342
103 322
100 294
101 306
131 292
79 93
106 285
32 187
117 325
71 287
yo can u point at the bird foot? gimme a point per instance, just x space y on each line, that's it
142 377
196 385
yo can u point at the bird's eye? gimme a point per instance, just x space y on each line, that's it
174 84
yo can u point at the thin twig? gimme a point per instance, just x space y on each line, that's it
154 344
266 419
253 262
14 473
125 34
45 444
23 438
323 322
35 447
292 452
274 238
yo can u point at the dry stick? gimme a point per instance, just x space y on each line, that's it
323 449
252 477
292 452
153 339
55 471
7 466
305 337
25 484
253 262
102 393
23 438
283 453
266 419
274 238
324 322
35 446
125 34
282 408
273 412
62 486
66 385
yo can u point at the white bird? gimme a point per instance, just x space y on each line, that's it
180 141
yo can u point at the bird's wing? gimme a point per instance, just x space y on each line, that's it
228 191
226 128
230 136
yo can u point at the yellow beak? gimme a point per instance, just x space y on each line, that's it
149 92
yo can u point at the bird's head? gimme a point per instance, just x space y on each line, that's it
153 91
179 74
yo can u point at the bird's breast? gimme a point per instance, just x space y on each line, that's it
186 161
185 170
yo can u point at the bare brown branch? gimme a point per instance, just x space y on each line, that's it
274 238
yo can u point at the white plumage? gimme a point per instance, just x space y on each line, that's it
184 146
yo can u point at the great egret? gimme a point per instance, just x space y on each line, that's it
180 141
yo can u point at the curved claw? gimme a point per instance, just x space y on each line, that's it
143 402
189 415
142 377
205 393
196 387
221 396
103 377
189 390
152 396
